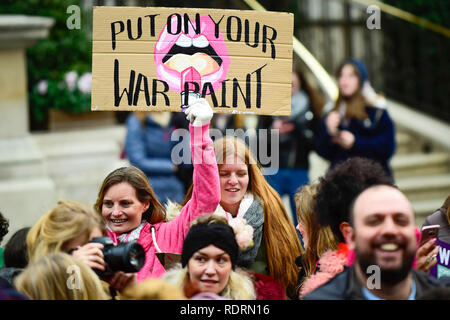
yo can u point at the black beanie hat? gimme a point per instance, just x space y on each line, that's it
202 235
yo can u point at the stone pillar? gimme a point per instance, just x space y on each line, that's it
26 190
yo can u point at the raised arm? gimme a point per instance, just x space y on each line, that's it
206 186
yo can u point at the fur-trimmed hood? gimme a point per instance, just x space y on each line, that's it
173 209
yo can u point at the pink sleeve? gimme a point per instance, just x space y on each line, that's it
205 194
206 185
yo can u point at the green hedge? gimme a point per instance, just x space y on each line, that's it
49 60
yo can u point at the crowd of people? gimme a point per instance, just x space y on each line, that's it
231 238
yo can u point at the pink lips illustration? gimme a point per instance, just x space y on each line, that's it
198 58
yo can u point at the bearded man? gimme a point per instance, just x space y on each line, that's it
384 241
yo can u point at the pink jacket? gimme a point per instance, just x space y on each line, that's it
205 199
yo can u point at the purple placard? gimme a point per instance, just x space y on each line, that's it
442 268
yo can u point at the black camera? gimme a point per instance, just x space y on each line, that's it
126 257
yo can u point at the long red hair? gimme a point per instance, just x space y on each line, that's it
280 238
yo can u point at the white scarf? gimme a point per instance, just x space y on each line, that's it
131 236
246 202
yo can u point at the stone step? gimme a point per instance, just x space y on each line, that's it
404 142
89 159
91 152
79 160
410 142
420 124
115 133
407 165
24 200
21 158
425 187
68 186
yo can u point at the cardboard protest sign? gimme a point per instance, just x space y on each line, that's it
150 59
442 268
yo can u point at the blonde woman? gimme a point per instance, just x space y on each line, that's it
316 238
59 276
131 211
208 262
246 194
68 227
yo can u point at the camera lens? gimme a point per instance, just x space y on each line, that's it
126 257
136 256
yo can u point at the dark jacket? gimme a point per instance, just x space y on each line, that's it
149 148
346 286
7 291
295 146
8 274
439 217
374 139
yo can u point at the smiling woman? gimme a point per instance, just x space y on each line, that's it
246 194
131 210
121 209
68 227
209 267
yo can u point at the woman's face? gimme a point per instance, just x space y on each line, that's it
234 181
121 208
209 270
302 228
348 81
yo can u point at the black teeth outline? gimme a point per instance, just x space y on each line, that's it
191 50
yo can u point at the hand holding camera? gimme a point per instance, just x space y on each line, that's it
128 257
91 254
116 265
